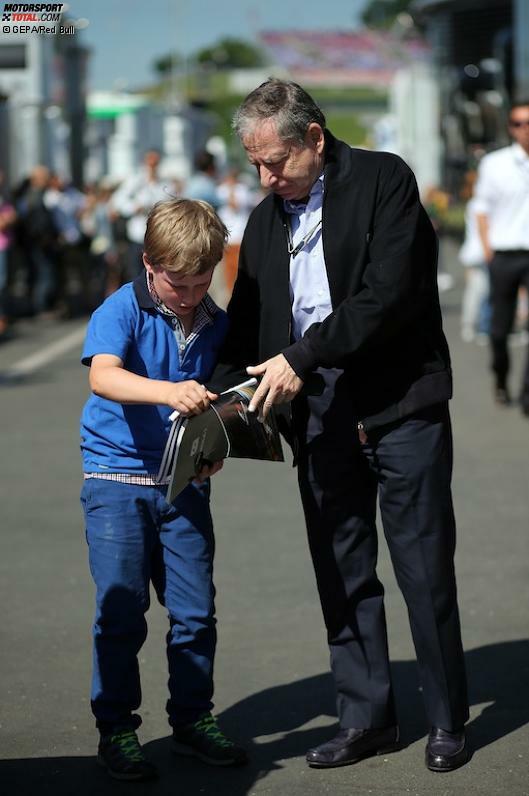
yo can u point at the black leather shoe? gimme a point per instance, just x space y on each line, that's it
446 750
350 746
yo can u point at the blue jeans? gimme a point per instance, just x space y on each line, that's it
135 537
43 276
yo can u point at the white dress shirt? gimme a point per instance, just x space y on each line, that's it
502 194
135 198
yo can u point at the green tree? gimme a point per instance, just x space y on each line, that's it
231 53
382 13
165 65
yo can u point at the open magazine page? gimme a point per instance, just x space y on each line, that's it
227 428
250 437
200 439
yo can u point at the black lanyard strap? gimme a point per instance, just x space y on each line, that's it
295 250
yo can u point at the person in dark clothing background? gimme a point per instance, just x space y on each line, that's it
501 204
38 237
336 308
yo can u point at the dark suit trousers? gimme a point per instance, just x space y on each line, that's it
508 272
408 465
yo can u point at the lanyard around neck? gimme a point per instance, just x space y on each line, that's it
295 250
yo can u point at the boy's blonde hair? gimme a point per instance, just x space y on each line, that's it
184 236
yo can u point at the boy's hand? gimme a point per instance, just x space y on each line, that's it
189 397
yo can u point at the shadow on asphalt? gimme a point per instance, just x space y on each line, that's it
498 676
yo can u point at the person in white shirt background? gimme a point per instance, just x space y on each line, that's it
237 200
501 204
476 293
133 200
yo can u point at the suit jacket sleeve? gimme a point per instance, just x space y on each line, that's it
397 283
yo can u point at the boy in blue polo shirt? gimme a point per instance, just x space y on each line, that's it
150 347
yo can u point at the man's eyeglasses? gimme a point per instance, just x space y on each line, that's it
524 123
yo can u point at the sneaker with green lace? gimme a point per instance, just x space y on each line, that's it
122 756
204 739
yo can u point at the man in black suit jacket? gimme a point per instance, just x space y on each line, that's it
336 299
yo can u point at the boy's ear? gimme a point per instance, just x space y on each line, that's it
146 263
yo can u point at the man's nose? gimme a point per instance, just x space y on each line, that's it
268 179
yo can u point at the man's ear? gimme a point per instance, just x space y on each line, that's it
316 136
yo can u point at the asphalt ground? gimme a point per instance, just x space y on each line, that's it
273 688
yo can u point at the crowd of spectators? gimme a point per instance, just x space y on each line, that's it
63 250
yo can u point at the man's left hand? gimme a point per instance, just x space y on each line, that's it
279 384
208 470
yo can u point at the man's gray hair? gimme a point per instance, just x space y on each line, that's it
286 102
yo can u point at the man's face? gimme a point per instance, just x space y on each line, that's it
182 294
519 126
40 177
151 159
287 168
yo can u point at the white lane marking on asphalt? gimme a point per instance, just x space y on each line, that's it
46 354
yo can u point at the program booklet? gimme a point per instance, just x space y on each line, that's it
225 429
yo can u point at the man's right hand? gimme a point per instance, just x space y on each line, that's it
189 397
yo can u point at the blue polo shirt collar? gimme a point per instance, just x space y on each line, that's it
207 308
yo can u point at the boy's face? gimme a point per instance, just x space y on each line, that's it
180 293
